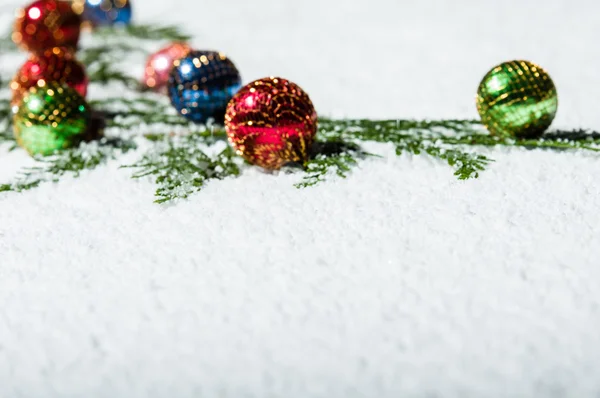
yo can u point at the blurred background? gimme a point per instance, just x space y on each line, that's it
404 59
394 59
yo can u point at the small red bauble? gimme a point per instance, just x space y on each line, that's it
45 24
159 65
56 64
271 122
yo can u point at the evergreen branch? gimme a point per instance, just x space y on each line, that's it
321 166
6 122
107 52
444 139
7 45
331 157
466 165
127 113
180 167
105 73
414 137
144 32
87 156
557 140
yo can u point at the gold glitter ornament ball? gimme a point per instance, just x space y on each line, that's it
50 117
517 99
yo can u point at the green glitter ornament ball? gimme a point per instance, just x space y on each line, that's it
50 117
517 99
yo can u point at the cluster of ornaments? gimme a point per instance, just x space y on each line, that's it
48 92
270 122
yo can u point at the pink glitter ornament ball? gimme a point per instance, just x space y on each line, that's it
159 65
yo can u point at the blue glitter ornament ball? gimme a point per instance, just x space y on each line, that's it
105 12
202 84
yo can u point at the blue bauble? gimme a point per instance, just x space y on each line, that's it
202 84
107 12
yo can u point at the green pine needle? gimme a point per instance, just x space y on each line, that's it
144 32
6 43
180 167
5 122
321 166
415 137
72 162
333 157
130 113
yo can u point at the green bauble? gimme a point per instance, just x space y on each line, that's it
517 99
50 118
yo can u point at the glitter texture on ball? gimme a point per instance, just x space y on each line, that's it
105 12
201 84
56 64
46 24
517 99
50 118
160 64
271 122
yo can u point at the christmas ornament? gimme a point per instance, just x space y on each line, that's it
517 99
104 12
56 64
51 117
45 24
201 84
159 65
271 122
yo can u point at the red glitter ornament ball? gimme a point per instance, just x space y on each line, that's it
56 64
45 24
159 65
271 122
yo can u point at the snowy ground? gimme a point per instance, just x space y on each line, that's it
399 281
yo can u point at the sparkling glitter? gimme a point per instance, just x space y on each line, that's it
159 65
45 24
50 118
271 122
517 99
56 64
105 12
202 92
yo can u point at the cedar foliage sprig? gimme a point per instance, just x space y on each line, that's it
143 32
415 137
7 44
86 156
5 122
127 113
180 166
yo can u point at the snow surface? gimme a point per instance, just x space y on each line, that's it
399 281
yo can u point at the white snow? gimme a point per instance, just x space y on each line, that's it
399 281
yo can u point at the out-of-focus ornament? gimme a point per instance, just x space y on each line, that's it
104 12
159 65
517 99
51 117
271 122
46 24
55 64
201 84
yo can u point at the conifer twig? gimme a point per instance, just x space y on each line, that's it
180 167
144 32
71 161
